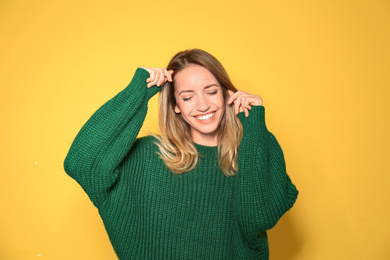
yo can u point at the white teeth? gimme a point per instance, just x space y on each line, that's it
205 117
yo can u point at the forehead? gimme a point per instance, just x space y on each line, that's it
194 77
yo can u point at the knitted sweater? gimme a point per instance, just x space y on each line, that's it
151 213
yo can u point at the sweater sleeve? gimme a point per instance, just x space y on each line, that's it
107 137
265 191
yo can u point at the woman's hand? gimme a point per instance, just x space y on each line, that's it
158 76
243 102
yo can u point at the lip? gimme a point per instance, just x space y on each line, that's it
208 120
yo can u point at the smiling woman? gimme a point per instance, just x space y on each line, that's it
208 187
191 113
200 101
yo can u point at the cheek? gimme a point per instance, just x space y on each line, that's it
220 101
222 105
184 106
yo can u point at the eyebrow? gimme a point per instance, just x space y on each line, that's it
208 86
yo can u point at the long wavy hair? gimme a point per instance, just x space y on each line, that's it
175 142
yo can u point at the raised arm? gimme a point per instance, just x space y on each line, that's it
264 191
107 137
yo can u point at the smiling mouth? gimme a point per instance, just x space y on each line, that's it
206 118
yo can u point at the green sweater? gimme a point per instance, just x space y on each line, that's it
151 213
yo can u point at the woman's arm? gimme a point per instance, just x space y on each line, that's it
264 191
107 137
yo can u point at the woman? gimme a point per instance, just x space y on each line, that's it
208 187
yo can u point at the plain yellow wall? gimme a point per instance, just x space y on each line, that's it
322 68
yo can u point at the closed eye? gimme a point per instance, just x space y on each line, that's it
213 93
187 99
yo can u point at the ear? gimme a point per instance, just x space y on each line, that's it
177 109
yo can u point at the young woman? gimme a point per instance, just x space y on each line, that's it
208 187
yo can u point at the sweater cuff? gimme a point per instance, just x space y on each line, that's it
139 79
255 122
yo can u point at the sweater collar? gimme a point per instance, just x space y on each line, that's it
207 150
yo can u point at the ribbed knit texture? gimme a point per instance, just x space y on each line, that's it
151 213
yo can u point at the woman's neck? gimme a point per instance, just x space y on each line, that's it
205 140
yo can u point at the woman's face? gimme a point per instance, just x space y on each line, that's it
199 99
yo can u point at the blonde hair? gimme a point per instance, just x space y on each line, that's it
175 143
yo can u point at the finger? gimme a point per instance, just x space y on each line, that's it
247 104
168 75
157 75
244 107
237 104
232 97
157 78
152 78
237 95
246 112
161 78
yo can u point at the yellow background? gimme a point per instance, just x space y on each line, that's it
322 68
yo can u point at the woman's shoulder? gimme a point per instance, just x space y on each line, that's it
143 148
144 142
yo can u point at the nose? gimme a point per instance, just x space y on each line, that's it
202 105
